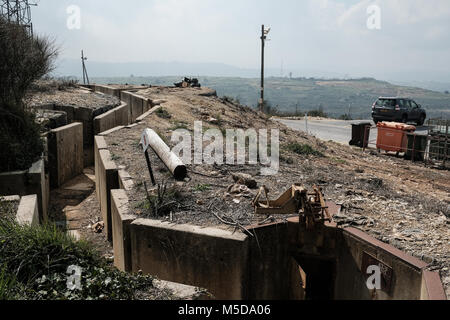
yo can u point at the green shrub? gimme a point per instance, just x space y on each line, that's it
163 113
23 59
20 140
303 149
35 262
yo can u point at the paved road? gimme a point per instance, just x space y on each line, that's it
336 130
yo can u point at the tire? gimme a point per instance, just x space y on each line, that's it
405 119
421 121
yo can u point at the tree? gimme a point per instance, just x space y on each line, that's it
23 60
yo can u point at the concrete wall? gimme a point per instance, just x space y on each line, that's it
106 176
204 257
28 211
269 263
406 281
32 181
66 153
107 90
111 119
432 288
121 220
138 105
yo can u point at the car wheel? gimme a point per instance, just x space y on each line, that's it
421 121
404 118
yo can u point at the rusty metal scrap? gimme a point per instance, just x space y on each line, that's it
311 207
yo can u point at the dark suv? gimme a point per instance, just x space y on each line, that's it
398 109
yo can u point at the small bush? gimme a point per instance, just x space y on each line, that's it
163 113
166 200
20 140
303 149
317 113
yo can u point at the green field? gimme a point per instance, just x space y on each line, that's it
335 97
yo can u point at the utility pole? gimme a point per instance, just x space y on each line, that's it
85 74
264 34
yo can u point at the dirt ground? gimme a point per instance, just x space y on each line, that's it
398 202
55 92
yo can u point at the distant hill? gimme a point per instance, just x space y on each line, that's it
336 97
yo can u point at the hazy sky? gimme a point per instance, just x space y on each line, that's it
330 35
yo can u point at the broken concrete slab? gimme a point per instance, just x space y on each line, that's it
28 213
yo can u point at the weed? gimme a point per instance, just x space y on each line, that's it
338 161
114 157
303 149
163 113
179 125
163 202
202 187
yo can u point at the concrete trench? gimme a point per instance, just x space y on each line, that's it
278 261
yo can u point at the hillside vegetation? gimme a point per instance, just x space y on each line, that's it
335 97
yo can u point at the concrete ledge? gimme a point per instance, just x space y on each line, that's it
28 212
99 144
105 133
121 220
145 115
210 258
412 261
125 180
66 155
432 288
106 176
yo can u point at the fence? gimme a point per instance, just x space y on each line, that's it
431 148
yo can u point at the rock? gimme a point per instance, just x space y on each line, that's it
98 227
213 120
245 179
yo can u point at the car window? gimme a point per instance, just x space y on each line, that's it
414 105
402 103
407 104
385 103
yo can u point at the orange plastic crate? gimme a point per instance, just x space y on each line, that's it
392 136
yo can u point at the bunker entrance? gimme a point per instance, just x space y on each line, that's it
318 278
